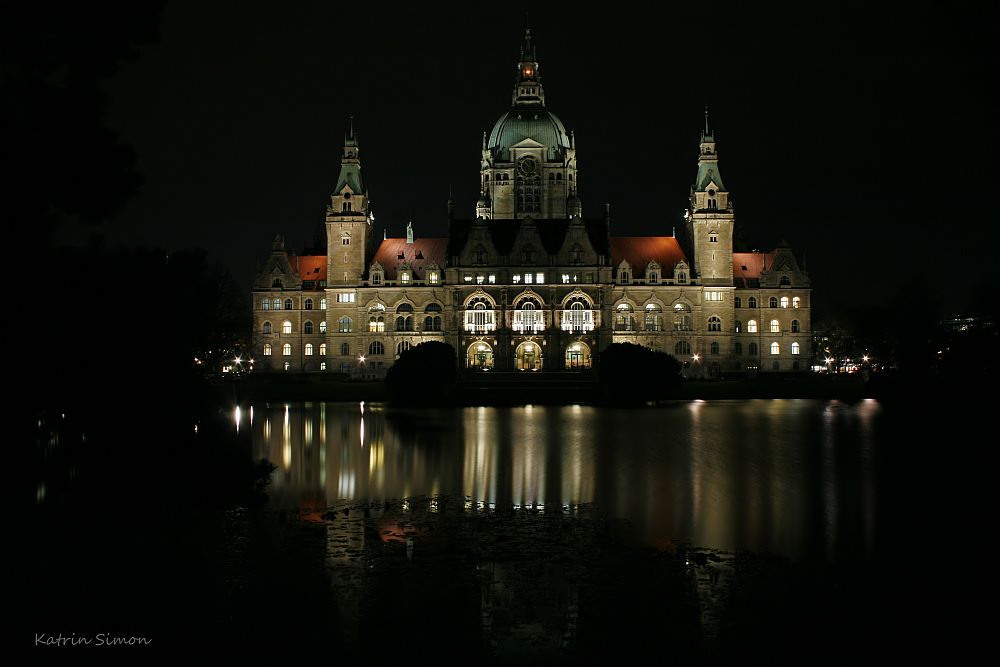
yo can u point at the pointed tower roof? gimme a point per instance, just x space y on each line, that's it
708 161
350 163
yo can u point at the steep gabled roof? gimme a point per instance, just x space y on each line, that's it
394 252
309 267
639 251
747 267
551 233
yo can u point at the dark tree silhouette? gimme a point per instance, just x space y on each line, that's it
632 373
423 375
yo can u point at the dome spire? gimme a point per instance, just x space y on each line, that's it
528 86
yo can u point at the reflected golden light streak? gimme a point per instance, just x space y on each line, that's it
236 416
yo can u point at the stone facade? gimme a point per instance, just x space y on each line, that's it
530 284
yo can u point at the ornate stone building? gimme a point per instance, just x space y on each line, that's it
531 284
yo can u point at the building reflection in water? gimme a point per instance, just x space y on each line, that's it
792 477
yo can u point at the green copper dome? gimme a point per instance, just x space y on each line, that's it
519 124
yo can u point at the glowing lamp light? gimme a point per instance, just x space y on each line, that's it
696 357
361 359
865 358
238 360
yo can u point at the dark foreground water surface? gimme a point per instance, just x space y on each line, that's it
724 532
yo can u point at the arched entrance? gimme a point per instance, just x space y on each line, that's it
528 357
577 356
480 356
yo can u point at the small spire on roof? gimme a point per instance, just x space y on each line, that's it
409 232
385 234
706 119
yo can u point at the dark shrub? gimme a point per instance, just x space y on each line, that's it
423 375
631 373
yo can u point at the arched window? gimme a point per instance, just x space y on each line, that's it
345 349
288 304
796 301
345 325
277 304
322 304
480 316
322 349
376 318
376 348
714 348
286 349
347 207
752 326
784 302
288 365
307 328
737 326
624 321
737 348
404 317
577 316
682 317
286 327
772 302
322 326
795 326
714 323
623 277
432 322
528 317
267 328
682 347
653 318
775 348
752 302
795 348
752 349
309 349
307 304
785 282
737 302
578 356
265 304
654 277
267 349
402 347
775 326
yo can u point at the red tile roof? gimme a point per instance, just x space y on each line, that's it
639 251
310 267
392 253
747 266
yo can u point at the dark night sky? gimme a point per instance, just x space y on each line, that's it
862 138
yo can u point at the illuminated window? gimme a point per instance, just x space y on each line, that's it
539 278
565 277
772 302
775 326
714 323
752 326
492 279
528 317
653 320
322 304
309 350
527 278
345 325
404 277
775 348
376 348
265 304
796 301
322 365
307 328
784 302
286 349
624 321
277 304
267 328
267 349
578 316
516 278
322 349
286 327
480 316
307 304
795 348
795 326
682 347
752 302
346 297
288 366
737 326
432 277
322 326
682 317
480 279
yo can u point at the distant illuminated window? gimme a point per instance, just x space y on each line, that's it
539 278
345 325
775 348
322 365
322 304
286 327
322 326
277 304
432 277
322 349
265 304
775 326
404 277
737 326
752 326
796 301
795 348
713 296
784 302
309 350
286 349
267 349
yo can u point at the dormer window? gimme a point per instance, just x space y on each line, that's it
433 277
404 277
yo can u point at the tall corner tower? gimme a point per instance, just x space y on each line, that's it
348 220
710 217
528 165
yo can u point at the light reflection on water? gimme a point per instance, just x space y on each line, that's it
793 477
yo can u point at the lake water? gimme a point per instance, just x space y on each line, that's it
799 478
